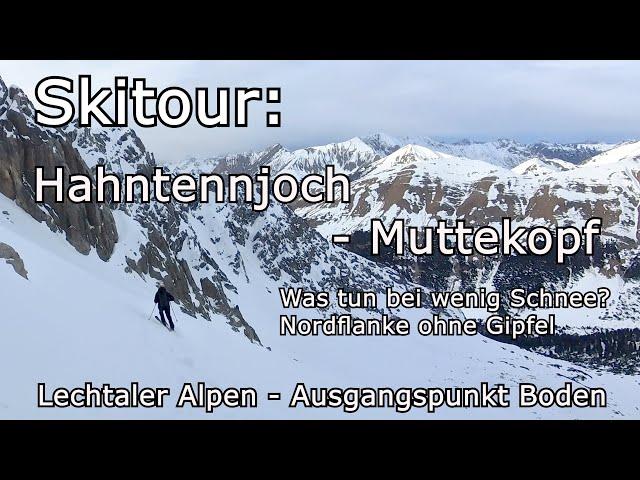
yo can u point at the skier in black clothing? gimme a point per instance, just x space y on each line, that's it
163 298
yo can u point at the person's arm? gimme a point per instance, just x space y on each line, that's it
155 299
171 299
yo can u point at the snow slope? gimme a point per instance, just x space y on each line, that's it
626 151
541 166
80 319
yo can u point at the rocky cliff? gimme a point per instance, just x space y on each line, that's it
24 145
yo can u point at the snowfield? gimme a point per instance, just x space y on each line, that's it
78 319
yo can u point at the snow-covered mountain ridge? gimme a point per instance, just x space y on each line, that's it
503 152
420 186
481 182
550 184
354 157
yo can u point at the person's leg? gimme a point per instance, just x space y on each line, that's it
161 310
168 312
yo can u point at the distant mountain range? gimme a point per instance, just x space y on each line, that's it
537 184
356 155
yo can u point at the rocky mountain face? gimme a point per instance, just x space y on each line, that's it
422 180
421 186
10 256
284 248
536 184
24 146
571 152
204 253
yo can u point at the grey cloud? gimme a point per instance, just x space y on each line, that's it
327 101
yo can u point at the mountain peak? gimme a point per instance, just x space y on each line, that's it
276 147
354 143
382 143
412 153
14 98
626 151
380 137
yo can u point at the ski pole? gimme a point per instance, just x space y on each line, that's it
154 309
174 313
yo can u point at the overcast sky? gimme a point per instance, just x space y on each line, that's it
325 101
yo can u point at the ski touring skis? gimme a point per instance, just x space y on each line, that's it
162 323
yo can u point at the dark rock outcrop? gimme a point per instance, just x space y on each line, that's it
12 257
198 285
24 145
